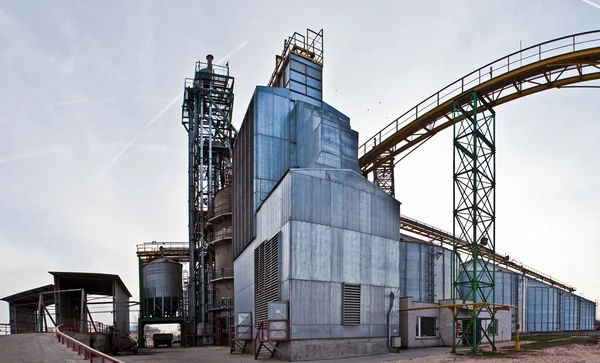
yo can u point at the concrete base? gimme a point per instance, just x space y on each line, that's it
315 349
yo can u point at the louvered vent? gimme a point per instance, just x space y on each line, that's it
266 276
351 314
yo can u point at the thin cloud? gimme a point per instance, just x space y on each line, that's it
165 109
162 112
591 3
31 154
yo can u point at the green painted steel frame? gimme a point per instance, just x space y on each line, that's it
474 216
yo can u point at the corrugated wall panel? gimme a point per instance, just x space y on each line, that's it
243 185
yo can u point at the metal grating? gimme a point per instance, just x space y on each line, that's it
351 313
266 277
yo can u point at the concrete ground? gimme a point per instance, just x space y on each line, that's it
221 355
35 348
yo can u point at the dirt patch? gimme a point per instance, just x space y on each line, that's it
573 351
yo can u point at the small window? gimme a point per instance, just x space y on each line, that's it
492 326
426 327
351 303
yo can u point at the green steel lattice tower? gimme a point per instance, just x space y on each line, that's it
474 217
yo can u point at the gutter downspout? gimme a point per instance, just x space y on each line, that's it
389 321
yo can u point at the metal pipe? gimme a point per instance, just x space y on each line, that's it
389 320
82 324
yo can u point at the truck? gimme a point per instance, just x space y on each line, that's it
163 339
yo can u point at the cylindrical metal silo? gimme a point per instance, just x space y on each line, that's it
162 288
425 270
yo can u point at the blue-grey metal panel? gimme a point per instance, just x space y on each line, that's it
392 256
314 83
322 249
378 260
314 73
351 257
343 331
337 205
310 331
366 259
364 203
336 304
301 255
274 116
336 255
273 157
310 302
311 92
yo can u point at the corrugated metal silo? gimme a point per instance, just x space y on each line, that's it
425 270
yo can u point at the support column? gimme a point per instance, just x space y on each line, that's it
474 244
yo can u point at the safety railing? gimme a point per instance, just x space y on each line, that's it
443 237
220 273
309 46
4 329
82 349
511 62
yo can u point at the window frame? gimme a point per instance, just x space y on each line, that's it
419 330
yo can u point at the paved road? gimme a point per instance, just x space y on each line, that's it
35 348
221 355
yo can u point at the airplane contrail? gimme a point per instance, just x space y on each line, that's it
591 3
165 109
128 145
31 154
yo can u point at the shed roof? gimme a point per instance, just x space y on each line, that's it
31 296
92 283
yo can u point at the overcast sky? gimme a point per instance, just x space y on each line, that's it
93 159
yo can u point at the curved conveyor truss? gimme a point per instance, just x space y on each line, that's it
553 64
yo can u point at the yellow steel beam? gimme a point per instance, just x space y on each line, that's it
529 74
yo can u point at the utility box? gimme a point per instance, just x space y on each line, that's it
396 342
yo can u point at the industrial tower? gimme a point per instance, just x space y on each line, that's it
206 115
474 236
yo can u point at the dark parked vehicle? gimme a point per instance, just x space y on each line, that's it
162 339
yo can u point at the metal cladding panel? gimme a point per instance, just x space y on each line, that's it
308 151
351 208
349 144
337 205
243 185
375 305
364 207
542 309
301 254
366 260
274 116
273 159
310 331
337 243
322 248
243 300
569 312
378 261
310 303
588 315
343 331
285 256
326 160
351 257
243 272
392 256
330 139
